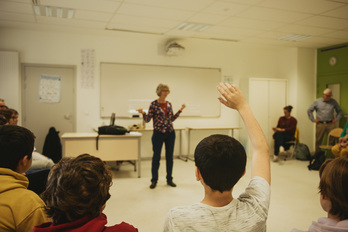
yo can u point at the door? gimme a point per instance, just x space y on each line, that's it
267 98
42 111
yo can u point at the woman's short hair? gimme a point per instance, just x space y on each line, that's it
161 87
77 187
334 185
8 113
288 108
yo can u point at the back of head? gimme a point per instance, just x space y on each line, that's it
221 161
334 185
15 143
327 91
77 187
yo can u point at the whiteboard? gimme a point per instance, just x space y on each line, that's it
127 87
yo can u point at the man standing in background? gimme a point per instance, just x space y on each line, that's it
325 119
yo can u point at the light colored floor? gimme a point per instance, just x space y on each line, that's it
294 200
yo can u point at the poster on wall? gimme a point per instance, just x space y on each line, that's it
87 68
49 89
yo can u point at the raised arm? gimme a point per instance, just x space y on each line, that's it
234 99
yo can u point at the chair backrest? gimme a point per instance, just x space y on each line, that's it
297 136
336 133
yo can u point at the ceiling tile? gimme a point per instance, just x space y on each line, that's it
207 18
70 22
93 5
337 35
225 8
134 28
272 15
17 17
250 23
16 7
93 15
338 13
305 6
303 30
143 21
191 5
154 12
325 22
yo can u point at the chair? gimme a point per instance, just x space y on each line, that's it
335 134
294 142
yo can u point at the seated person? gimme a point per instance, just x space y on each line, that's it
341 148
220 162
20 208
76 194
284 132
11 116
3 120
333 188
2 104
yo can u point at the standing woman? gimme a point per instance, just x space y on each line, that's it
161 111
284 132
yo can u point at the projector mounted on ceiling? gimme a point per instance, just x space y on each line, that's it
174 49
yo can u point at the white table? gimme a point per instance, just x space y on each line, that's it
189 129
110 147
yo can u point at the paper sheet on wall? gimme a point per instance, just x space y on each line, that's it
49 89
87 68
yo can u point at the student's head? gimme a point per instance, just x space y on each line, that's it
162 88
333 187
287 110
11 116
3 120
221 161
327 94
2 104
77 187
16 145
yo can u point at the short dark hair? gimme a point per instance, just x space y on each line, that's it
15 143
221 161
334 185
8 113
77 187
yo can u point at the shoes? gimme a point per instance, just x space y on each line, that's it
171 183
281 149
153 185
275 158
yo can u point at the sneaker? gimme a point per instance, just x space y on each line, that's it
153 185
275 158
171 183
281 149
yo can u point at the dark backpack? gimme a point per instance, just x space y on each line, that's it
302 152
112 130
52 147
317 160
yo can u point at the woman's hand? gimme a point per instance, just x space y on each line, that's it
140 111
183 107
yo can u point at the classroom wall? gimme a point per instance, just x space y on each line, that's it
236 61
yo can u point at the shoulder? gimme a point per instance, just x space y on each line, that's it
258 192
123 226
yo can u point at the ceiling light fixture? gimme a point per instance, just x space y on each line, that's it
294 37
52 11
188 26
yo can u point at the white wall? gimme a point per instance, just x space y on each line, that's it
236 61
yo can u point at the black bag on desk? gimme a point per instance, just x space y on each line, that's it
112 130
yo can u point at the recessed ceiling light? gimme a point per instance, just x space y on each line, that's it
52 11
188 26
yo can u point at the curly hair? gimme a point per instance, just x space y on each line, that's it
334 185
77 187
160 88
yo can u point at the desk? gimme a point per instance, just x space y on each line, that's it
189 129
110 147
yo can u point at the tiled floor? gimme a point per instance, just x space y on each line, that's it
294 200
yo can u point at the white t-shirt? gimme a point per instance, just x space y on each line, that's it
247 213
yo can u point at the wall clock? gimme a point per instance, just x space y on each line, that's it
333 61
